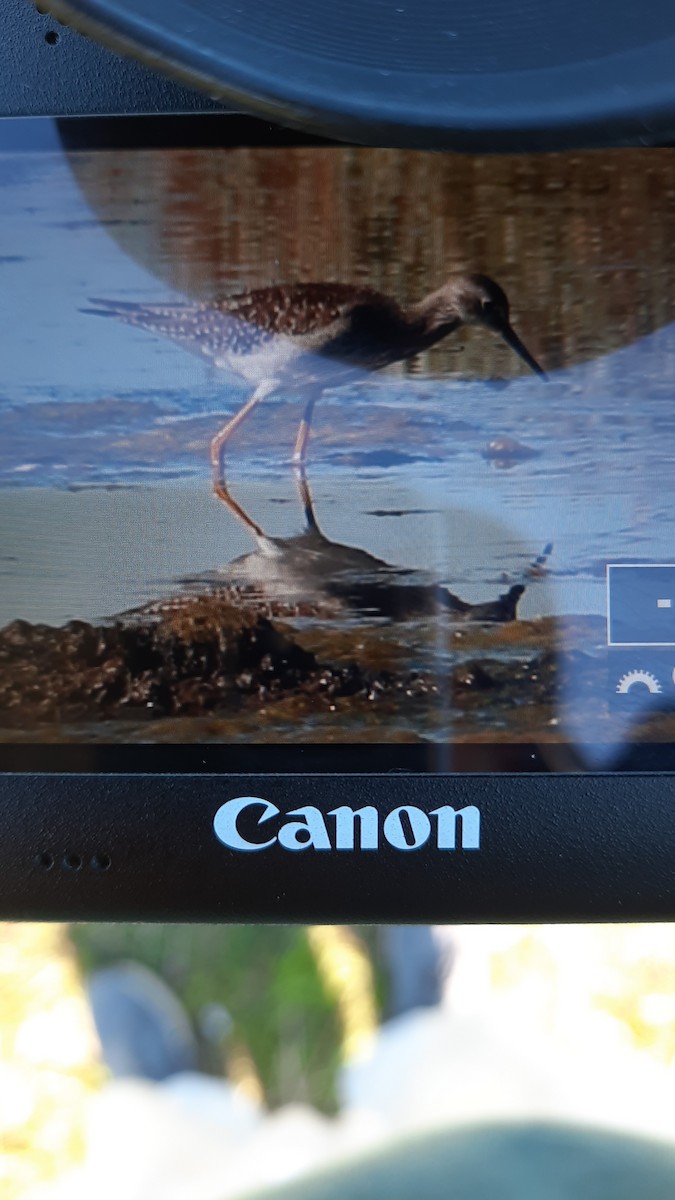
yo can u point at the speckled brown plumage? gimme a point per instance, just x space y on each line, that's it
348 324
315 335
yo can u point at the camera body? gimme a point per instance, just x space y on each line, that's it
404 716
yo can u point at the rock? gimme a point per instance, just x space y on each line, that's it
143 1029
507 451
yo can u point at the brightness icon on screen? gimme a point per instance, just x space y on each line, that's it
638 680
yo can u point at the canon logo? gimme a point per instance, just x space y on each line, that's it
239 823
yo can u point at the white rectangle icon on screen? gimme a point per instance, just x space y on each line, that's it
640 609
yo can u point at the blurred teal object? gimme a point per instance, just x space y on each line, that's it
503 1162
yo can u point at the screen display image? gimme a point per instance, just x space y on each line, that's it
338 446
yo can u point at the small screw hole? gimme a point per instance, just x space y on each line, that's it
51 37
45 860
72 862
101 862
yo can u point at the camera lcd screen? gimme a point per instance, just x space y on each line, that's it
362 452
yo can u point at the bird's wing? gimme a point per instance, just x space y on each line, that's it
202 328
297 309
240 323
348 324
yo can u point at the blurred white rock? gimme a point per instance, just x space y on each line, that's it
435 1067
213 1101
195 1137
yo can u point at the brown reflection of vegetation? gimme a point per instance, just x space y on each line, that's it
581 242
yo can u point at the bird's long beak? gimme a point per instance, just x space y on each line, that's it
511 338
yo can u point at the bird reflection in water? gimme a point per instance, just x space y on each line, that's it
310 569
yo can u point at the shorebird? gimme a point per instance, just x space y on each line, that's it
310 336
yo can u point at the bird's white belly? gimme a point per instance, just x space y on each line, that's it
270 360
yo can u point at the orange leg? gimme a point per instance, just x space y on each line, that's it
223 436
220 490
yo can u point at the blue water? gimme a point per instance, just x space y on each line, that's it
399 465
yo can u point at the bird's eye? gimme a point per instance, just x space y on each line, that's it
488 306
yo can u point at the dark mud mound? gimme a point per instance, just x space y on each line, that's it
204 656
273 673
189 662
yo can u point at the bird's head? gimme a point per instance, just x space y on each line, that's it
478 300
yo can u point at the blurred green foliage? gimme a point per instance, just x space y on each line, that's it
267 979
